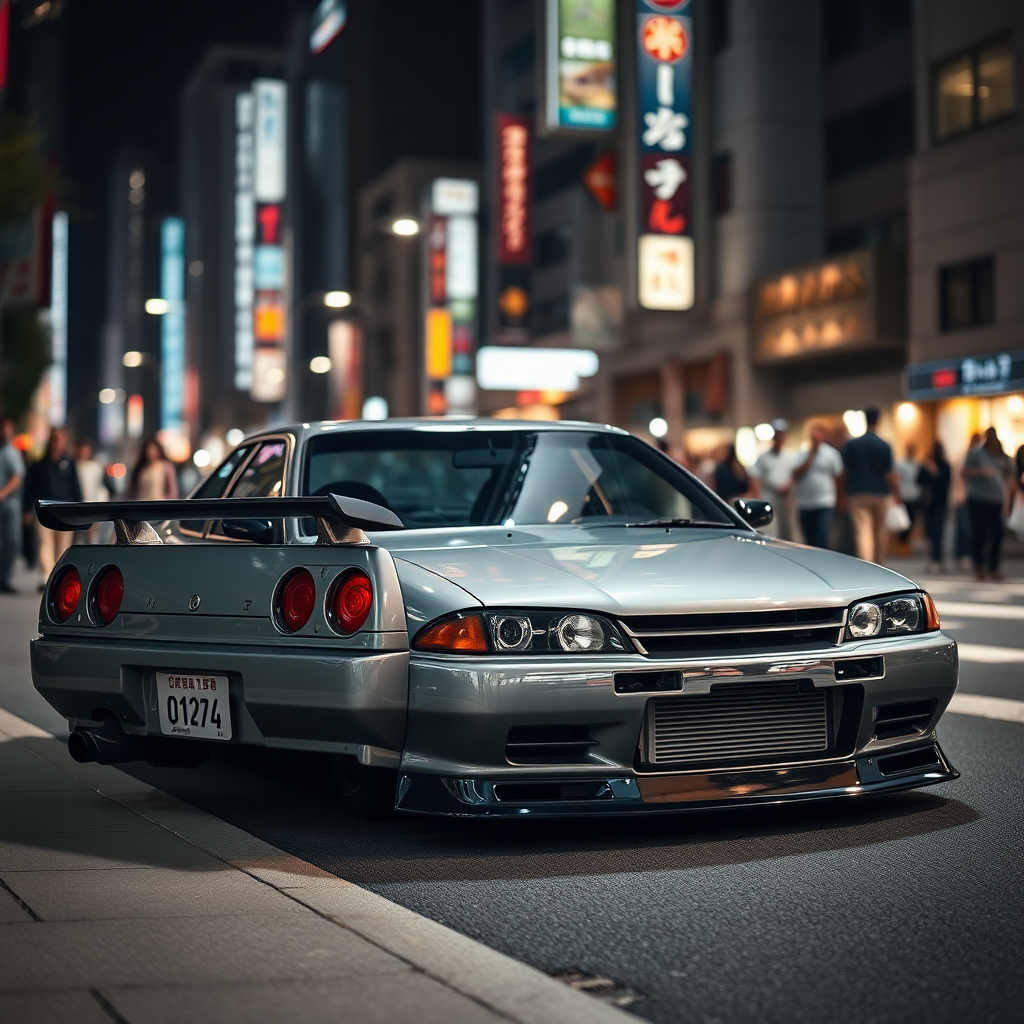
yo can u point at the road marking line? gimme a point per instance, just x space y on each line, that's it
981 611
987 707
984 654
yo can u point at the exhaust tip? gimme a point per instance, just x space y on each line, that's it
82 747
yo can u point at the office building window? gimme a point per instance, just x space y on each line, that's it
883 130
723 188
974 89
967 295
553 247
721 26
852 25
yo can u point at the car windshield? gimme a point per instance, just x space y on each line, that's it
445 477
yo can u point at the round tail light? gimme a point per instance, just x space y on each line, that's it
350 602
107 595
65 594
296 601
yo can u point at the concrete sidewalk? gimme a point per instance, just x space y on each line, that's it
120 903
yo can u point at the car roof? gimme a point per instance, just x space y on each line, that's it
428 424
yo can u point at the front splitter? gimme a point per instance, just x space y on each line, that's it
575 796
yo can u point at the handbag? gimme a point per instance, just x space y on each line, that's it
897 518
1016 519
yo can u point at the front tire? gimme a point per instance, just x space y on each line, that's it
365 792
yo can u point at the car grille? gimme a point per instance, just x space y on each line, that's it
739 723
662 636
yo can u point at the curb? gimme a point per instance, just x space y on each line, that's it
493 980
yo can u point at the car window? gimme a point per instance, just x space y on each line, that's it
487 477
576 477
216 483
264 476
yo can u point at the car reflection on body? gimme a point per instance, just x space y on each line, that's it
498 618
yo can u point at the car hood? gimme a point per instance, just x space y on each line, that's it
636 571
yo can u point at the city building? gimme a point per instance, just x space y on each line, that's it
392 246
841 180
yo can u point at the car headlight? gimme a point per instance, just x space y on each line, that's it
899 615
523 632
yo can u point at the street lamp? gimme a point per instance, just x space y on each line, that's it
338 300
157 307
406 227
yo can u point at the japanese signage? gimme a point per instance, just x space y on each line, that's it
580 62
269 189
325 25
513 189
602 180
664 92
853 301
514 227
23 259
172 326
995 374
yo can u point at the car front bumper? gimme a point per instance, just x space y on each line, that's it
462 710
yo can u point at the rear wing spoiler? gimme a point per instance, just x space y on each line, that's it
339 520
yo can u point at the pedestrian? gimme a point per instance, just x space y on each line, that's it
817 480
871 485
907 470
731 480
962 514
986 475
52 478
934 479
153 478
12 474
90 478
771 478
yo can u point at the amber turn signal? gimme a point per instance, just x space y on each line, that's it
931 613
459 635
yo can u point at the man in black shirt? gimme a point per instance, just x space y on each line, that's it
52 478
870 481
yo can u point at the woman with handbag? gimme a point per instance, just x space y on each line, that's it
934 479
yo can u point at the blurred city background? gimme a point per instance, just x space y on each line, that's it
728 226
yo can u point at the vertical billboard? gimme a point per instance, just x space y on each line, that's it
664 40
514 229
172 327
58 374
345 348
245 234
452 288
580 65
270 315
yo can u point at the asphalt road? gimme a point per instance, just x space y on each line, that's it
903 908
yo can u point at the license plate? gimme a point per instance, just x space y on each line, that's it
193 706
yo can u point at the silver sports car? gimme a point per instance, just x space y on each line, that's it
491 618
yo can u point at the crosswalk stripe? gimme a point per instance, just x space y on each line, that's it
981 611
988 655
987 707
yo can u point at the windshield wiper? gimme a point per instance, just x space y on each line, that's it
684 522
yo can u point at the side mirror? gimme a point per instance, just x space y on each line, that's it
756 512
258 531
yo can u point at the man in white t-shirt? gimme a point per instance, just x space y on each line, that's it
816 482
772 479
